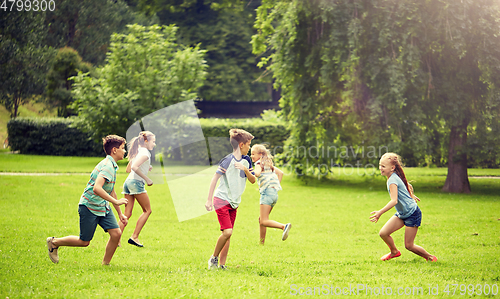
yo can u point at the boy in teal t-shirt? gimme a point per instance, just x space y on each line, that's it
94 204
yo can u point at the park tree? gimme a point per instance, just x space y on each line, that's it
86 26
224 28
400 73
65 65
23 58
145 71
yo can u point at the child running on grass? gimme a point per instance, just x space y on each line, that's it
408 213
235 168
138 166
94 206
269 179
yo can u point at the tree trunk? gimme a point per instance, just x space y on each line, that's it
457 180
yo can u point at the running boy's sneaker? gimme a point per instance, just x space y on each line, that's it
213 262
223 267
288 226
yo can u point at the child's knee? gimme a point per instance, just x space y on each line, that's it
227 233
409 246
115 233
85 243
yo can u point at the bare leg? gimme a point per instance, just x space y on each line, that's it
71 241
223 253
264 221
410 234
263 231
143 200
221 243
392 225
114 237
128 212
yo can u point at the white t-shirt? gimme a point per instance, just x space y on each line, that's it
144 168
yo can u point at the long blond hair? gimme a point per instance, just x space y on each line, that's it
395 160
133 145
267 158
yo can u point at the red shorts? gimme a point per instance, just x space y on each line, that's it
225 213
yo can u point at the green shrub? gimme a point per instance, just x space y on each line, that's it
272 133
50 136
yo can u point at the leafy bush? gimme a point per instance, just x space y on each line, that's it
50 136
273 134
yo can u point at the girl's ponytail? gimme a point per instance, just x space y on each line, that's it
133 146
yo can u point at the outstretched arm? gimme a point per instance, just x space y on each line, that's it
393 189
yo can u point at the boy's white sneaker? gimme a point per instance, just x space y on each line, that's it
288 226
213 263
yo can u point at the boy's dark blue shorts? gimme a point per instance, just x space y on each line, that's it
89 222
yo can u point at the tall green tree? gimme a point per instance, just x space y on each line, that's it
145 71
224 28
86 26
399 73
65 65
23 58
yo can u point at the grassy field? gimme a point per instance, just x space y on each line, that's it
332 248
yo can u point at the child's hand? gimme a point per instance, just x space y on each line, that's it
240 165
209 206
150 167
123 219
149 182
416 198
121 201
376 215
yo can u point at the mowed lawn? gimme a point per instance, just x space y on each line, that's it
332 249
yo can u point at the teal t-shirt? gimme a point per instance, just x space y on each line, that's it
406 204
96 204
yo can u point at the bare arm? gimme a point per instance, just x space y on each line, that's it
99 191
279 173
129 166
209 204
410 187
257 170
393 189
249 175
122 217
136 163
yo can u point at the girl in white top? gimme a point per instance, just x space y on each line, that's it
138 166
269 179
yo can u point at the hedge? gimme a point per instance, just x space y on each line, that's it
57 137
50 136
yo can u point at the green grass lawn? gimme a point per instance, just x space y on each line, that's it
332 245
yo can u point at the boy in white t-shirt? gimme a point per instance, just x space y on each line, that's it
235 168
